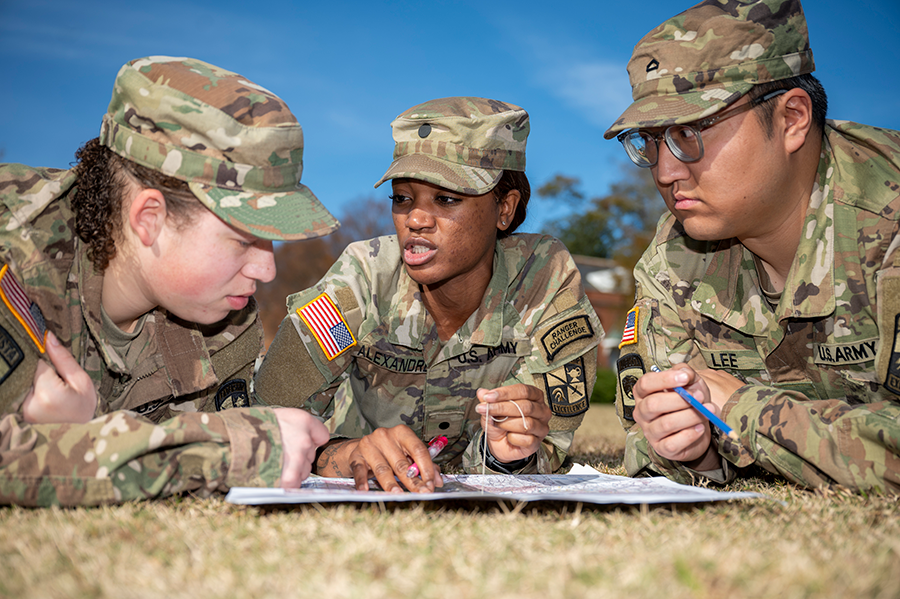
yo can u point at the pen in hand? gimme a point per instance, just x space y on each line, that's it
435 446
697 405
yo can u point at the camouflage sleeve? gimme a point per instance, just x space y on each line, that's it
816 443
121 457
654 335
563 365
809 442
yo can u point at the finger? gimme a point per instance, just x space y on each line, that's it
438 478
360 472
412 449
523 441
673 423
60 357
682 443
509 393
386 477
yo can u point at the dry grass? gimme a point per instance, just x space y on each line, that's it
812 545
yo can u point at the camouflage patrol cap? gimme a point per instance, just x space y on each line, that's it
461 144
707 57
235 144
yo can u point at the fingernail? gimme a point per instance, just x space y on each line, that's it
491 395
699 428
481 408
51 338
681 378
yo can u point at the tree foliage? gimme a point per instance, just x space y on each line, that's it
619 225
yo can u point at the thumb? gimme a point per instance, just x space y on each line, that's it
68 369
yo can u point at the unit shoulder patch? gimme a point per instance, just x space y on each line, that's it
630 368
232 394
11 354
566 389
892 380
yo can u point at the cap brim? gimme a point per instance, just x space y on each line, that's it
460 178
676 109
284 216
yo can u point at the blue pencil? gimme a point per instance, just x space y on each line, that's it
720 424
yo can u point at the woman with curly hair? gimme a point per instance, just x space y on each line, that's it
127 322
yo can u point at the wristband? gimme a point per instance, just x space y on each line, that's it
494 464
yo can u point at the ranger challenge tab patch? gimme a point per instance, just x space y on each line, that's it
566 390
564 333
328 326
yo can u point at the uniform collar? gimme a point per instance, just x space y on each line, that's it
166 342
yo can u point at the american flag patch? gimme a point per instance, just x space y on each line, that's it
23 309
629 335
328 326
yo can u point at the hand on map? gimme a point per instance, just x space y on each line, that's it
519 420
301 434
61 393
386 454
673 428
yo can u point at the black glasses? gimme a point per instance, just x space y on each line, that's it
683 141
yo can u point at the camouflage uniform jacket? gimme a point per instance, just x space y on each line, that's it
535 326
821 403
179 367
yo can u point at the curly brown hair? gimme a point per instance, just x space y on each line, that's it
104 179
510 180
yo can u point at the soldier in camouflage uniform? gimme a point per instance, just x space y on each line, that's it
772 290
413 335
126 294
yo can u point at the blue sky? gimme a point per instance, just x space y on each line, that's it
347 69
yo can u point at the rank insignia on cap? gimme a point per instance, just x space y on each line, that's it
629 335
328 326
23 309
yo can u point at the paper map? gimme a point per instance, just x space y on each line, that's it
589 487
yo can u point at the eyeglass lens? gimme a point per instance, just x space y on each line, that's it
683 141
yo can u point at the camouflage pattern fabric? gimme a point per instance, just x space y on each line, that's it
463 144
707 57
121 457
535 326
236 144
821 403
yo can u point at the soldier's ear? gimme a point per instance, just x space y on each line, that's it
507 209
147 215
795 110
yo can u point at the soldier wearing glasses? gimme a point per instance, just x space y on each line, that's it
772 290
